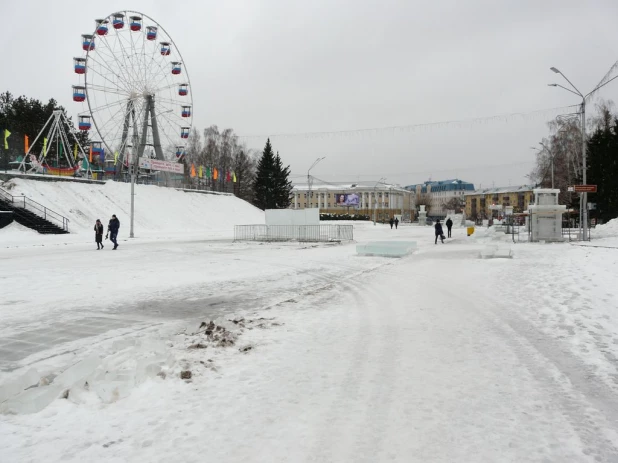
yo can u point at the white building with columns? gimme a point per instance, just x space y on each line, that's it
375 199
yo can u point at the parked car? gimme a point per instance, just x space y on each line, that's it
429 221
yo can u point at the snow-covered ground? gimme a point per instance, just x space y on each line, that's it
439 356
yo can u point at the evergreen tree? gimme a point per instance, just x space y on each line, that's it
264 187
283 186
603 168
243 166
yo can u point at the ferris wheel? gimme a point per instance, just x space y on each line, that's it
134 88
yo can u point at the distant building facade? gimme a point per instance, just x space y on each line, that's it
381 200
479 203
440 193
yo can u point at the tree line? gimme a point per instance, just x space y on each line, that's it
560 156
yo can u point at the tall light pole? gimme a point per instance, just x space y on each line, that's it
309 178
578 93
375 200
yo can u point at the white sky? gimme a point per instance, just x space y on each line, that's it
282 66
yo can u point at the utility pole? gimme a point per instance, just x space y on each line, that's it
584 161
309 179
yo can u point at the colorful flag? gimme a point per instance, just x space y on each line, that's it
60 153
7 134
75 152
116 158
44 147
192 170
234 177
215 174
208 172
228 177
90 156
201 171
26 144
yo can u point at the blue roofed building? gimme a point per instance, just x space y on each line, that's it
441 195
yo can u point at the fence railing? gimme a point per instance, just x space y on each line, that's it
28 204
301 233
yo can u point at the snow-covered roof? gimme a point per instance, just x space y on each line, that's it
347 186
501 190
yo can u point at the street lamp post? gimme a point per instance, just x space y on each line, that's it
309 178
375 200
578 93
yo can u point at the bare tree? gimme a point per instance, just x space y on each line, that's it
423 199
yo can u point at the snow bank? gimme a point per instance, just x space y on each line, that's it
16 231
607 230
157 209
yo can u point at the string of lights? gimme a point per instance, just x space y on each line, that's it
460 123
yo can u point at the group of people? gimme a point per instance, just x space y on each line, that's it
440 232
112 232
394 221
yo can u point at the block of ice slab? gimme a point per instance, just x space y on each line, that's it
153 345
15 386
78 372
32 400
112 391
492 252
121 344
386 248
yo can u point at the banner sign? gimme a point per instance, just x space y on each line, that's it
347 199
156 164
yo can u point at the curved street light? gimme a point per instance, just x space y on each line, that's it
583 129
309 179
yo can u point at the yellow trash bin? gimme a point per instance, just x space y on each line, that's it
470 230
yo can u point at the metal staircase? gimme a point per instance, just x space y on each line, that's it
33 215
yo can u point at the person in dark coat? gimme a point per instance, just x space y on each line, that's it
98 234
396 223
391 221
449 225
112 230
439 232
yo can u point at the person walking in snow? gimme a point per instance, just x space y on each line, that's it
112 230
391 221
449 225
439 232
98 234
396 223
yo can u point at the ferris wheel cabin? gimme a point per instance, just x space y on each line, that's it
79 65
186 111
87 42
176 67
184 132
136 23
179 151
118 21
183 89
166 48
79 93
84 123
102 28
151 33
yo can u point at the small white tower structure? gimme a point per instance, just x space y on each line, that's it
422 215
546 216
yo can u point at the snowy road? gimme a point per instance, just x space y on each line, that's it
438 357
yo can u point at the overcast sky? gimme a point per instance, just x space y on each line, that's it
290 67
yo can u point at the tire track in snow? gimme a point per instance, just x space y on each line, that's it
589 407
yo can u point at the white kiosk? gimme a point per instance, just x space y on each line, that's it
546 216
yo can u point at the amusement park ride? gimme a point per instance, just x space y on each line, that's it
134 90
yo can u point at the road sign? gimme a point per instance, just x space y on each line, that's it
585 188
